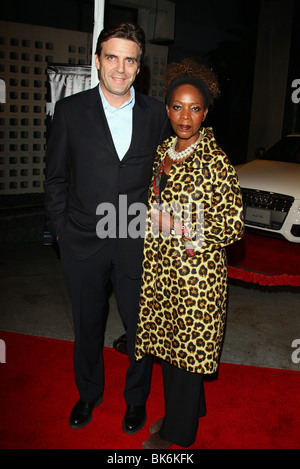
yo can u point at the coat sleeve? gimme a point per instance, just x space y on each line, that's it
57 174
221 221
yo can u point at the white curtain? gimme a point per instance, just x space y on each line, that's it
98 26
64 80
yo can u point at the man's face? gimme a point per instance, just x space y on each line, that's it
118 67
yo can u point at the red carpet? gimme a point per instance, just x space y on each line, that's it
264 260
247 407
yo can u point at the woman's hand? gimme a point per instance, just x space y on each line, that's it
162 221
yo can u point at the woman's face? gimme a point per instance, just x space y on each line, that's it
186 112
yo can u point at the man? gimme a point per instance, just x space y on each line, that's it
100 154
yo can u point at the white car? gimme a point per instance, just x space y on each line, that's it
271 190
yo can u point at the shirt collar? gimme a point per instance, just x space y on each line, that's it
107 106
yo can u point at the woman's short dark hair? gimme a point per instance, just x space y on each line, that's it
129 31
189 71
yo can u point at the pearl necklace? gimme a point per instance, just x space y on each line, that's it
176 156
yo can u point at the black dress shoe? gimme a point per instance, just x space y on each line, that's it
135 418
82 413
120 344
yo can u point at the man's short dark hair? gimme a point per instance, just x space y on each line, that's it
129 31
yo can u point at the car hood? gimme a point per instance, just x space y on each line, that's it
272 176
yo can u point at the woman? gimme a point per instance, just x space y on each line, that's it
195 210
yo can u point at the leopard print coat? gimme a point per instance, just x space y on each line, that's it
184 284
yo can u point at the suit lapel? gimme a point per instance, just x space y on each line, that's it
139 117
96 116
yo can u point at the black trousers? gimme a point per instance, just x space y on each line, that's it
184 404
87 282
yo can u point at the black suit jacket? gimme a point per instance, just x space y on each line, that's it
83 172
